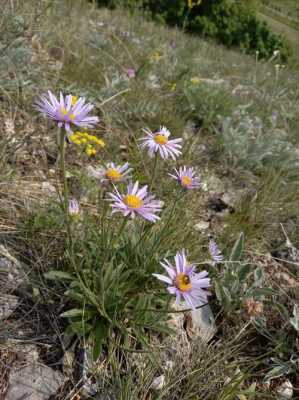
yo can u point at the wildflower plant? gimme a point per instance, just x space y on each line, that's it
232 285
114 260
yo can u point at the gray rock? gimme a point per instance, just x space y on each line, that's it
202 324
33 382
12 273
8 303
213 184
285 390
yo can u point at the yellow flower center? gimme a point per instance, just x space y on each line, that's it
132 201
186 180
183 283
160 139
74 100
113 174
63 111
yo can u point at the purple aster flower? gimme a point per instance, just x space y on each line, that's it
74 208
111 172
68 110
131 73
159 142
186 178
136 201
184 282
215 253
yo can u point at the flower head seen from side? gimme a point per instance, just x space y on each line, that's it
67 110
184 282
73 208
131 73
111 172
187 178
159 142
137 201
215 253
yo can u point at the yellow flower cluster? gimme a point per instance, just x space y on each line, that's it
89 142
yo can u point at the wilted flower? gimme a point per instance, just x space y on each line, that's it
131 73
215 252
184 282
68 110
186 178
252 308
111 172
74 208
159 142
193 3
274 117
136 202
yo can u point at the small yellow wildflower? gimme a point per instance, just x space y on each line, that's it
90 150
100 142
195 80
156 56
172 87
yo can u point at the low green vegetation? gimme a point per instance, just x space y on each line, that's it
233 23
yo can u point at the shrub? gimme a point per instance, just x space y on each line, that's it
230 22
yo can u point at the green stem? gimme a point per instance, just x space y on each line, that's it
176 200
154 172
120 231
64 198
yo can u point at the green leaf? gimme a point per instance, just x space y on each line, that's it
237 249
58 275
80 328
218 291
74 312
243 271
263 292
280 369
100 334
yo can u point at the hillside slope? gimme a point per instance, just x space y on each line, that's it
239 121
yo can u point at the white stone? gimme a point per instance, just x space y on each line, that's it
158 383
33 382
202 226
285 391
203 324
8 303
